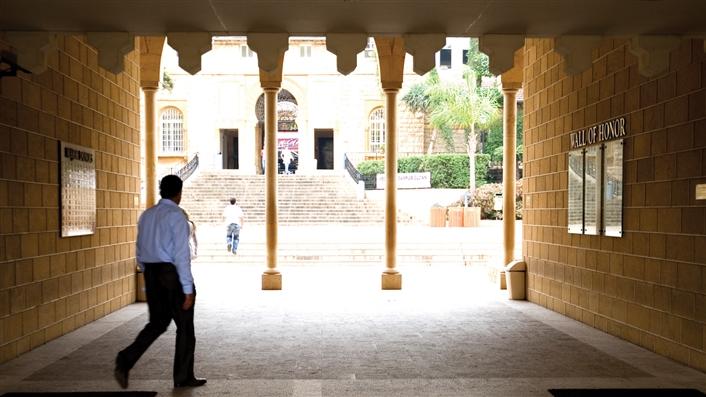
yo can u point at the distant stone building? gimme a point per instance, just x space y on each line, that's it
322 114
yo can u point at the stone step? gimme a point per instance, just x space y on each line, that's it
302 199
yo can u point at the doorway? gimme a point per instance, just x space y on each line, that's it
229 149
323 149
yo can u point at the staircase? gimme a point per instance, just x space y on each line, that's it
354 245
301 199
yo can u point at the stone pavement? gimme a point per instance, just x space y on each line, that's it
332 332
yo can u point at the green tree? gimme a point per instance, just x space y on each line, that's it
463 107
457 106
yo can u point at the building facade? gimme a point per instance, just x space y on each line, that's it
218 113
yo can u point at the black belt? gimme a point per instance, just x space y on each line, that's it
160 266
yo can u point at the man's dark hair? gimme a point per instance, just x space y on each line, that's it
232 201
170 186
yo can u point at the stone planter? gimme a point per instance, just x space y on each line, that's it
471 216
455 216
437 217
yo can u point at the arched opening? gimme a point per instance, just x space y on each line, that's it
171 131
287 131
376 130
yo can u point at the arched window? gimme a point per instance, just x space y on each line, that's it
172 131
376 130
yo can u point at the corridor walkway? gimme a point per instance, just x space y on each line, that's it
333 332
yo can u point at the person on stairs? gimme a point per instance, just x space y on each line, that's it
233 216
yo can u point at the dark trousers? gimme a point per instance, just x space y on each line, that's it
164 299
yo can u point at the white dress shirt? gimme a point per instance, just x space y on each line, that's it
233 214
163 236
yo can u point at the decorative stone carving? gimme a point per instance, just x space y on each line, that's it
500 48
577 51
112 48
653 53
33 49
346 47
150 60
190 46
391 55
270 48
423 47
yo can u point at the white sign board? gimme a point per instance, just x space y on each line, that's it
78 190
408 180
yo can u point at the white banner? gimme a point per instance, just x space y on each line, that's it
410 180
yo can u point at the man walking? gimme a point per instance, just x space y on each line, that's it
233 216
164 256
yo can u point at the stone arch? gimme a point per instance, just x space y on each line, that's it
151 60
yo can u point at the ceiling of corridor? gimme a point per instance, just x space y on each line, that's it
317 17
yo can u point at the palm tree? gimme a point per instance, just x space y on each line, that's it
462 107
453 107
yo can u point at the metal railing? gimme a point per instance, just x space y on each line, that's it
188 169
352 171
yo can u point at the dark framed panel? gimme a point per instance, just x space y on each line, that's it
576 174
613 189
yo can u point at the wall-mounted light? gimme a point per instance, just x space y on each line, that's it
8 64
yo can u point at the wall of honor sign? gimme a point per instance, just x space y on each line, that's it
595 183
78 190
599 133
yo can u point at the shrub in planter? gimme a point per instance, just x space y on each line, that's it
448 171
485 199
369 169
409 164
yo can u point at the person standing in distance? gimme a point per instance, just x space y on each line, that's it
164 256
233 216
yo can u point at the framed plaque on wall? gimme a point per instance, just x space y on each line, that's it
78 190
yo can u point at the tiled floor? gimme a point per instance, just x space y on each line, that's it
333 332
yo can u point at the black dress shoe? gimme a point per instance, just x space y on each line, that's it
121 375
195 382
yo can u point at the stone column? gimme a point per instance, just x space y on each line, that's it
150 149
509 175
391 277
272 278
270 48
511 59
391 54
150 69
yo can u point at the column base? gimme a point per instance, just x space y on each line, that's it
271 281
503 281
391 281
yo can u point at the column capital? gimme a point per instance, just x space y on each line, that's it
270 49
512 79
150 60
149 87
391 53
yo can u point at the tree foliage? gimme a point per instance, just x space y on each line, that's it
458 106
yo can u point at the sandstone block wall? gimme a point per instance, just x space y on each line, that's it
51 285
649 286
